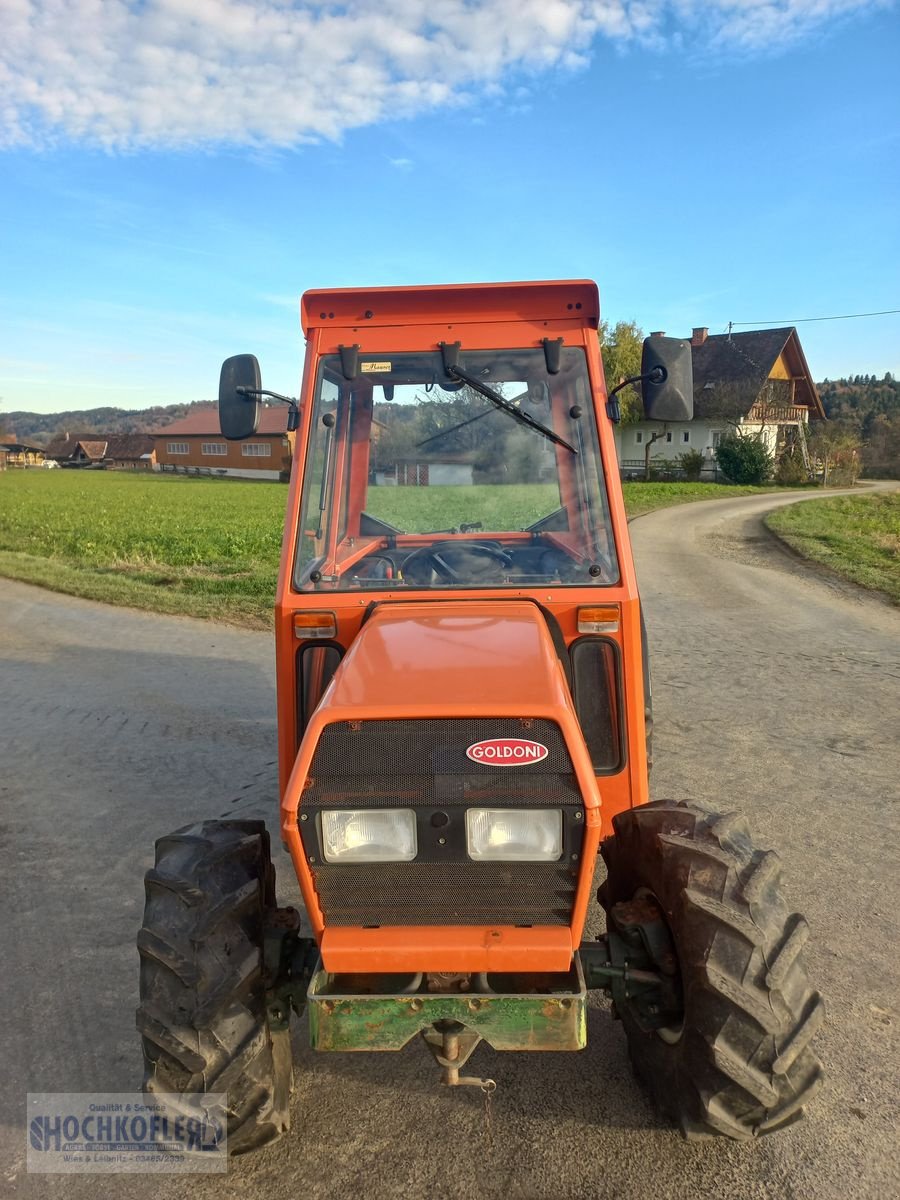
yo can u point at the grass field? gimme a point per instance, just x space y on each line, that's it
856 536
209 547
205 547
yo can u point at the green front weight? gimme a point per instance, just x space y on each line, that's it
506 1021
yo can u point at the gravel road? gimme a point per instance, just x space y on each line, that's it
776 691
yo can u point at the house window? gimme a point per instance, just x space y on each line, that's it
178 447
716 438
256 450
639 436
686 436
669 436
214 448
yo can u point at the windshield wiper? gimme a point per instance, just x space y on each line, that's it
499 402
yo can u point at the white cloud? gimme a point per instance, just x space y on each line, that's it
133 73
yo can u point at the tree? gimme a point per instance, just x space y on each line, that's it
837 449
745 458
621 347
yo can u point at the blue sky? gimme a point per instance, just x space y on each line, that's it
177 173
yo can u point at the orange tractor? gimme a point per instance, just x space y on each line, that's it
464 720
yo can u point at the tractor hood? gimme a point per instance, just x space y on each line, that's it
450 659
436 708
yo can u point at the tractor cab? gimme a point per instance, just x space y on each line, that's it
444 469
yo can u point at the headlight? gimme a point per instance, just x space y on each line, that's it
514 834
369 835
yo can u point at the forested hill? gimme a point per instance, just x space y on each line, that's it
40 427
861 397
869 408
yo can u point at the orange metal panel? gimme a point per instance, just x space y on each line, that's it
575 300
447 948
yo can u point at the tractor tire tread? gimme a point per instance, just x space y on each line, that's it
743 1065
202 1016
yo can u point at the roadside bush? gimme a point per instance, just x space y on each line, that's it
691 463
664 470
790 471
744 460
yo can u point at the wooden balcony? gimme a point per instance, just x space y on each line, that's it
778 414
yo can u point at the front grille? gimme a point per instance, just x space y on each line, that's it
423 765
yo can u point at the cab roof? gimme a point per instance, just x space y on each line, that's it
576 300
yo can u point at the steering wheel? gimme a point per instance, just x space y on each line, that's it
457 562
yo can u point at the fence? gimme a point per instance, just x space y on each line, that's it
663 470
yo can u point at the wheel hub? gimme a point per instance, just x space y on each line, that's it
640 942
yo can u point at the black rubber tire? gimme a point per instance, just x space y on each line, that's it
742 1066
202 1014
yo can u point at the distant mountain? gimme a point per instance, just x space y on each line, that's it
41 427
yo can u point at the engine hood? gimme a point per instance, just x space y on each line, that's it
450 659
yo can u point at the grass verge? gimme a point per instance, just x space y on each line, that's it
858 537
210 548
642 498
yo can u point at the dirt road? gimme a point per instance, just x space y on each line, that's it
776 691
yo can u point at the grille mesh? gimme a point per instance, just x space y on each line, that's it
423 765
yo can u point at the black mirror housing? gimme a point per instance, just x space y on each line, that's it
238 412
667 379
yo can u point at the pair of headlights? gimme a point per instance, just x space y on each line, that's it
492 834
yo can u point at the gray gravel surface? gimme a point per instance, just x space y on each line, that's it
776 690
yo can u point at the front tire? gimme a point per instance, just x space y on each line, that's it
740 1064
202 1014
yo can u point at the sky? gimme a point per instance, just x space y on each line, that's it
175 173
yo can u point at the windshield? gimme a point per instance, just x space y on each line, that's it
483 475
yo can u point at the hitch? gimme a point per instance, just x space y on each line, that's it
451 1045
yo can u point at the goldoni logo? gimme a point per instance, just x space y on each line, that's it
507 752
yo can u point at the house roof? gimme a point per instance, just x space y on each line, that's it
65 445
738 365
128 445
741 358
205 422
435 458
93 447
15 447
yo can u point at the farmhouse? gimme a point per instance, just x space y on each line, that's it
131 451
757 381
195 445
77 449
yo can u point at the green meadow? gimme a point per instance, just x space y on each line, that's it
211 547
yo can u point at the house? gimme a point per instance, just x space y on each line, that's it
130 451
77 449
758 382
432 470
195 445
21 454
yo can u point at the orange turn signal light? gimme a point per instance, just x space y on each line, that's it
315 625
600 618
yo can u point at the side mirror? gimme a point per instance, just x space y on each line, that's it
238 411
667 379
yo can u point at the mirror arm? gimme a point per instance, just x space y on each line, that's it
293 420
613 408
657 375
